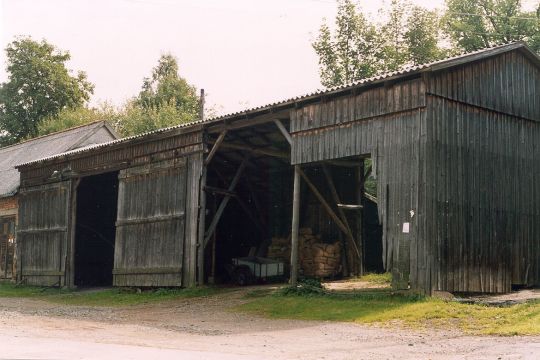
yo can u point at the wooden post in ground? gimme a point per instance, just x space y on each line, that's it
202 208
201 226
295 226
360 238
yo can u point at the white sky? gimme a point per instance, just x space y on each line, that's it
244 53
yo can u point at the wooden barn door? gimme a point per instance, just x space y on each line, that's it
42 239
150 225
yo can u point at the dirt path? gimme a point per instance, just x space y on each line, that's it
206 329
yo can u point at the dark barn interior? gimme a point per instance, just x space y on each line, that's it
251 168
95 229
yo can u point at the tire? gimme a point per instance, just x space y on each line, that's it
242 275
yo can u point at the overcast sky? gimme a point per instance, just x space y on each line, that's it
244 53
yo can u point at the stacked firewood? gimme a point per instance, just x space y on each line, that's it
280 249
316 258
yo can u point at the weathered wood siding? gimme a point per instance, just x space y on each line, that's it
387 123
151 225
483 197
42 239
158 204
509 83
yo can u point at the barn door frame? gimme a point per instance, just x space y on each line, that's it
131 268
35 224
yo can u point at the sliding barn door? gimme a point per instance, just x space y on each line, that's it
42 239
150 225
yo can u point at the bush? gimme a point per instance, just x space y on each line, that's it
305 287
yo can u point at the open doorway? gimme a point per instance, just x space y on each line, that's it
95 229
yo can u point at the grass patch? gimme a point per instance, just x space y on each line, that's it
379 279
385 307
107 297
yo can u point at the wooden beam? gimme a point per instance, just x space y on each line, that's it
215 147
249 213
350 206
295 226
370 197
215 190
284 131
346 241
335 196
323 202
255 150
223 203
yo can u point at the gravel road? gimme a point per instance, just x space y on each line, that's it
207 329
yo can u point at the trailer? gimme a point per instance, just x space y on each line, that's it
251 269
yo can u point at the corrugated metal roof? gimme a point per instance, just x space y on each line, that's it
29 150
403 72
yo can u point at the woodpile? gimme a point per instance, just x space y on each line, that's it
316 258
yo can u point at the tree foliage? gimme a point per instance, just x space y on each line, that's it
358 48
72 117
423 35
166 99
166 87
476 24
352 51
39 86
134 119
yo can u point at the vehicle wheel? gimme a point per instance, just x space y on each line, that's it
243 276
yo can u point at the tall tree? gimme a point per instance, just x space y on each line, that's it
422 36
351 52
476 24
166 86
392 34
39 85
358 48
166 99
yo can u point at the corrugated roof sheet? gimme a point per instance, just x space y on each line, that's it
29 150
405 71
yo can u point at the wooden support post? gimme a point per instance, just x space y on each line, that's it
70 268
295 226
284 131
215 147
223 203
212 277
360 230
202 226
201 105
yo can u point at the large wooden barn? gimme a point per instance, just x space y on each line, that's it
452 146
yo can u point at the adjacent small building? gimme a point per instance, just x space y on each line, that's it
10 156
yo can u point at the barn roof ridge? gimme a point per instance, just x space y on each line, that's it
96 123
404 71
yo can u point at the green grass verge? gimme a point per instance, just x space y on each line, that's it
107 297
379 279
384 308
